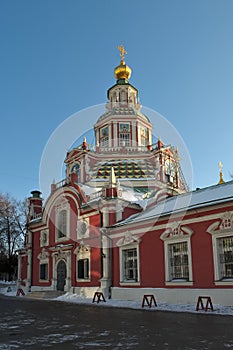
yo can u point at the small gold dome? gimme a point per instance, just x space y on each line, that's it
122 71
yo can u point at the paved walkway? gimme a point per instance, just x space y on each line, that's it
37 324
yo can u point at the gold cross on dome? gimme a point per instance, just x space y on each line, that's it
122 51
220 166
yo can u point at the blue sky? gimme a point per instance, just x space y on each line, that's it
58 57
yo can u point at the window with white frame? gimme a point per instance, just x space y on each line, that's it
104 141
44 268
177 253
124 139
83 269
129 258
62 220
43 265
62 224
144 136
225 245
178 261
104 136
130 264
222 243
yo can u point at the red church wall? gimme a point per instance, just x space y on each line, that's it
202 255
35 261
152 273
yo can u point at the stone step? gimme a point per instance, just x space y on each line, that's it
44 294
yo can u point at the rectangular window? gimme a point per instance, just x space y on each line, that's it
104 142
144 137
226 257
83 268
124 139
104 131
62 224
130 265
179 266
44 272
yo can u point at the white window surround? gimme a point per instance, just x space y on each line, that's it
63 205
177 233
104 141
83 252
44 259
219 229
47 272
124 139
128 242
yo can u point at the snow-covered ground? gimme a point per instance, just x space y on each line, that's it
9 289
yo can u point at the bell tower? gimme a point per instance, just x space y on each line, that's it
123 125
123 143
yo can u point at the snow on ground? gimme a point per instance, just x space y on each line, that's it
10 290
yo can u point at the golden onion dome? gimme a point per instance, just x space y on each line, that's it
122 71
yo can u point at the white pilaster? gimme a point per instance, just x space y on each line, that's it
29 270
106 280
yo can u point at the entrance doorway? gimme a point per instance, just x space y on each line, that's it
61 275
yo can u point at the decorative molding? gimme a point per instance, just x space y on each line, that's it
62 203
44 237
176 231
61 255
43 255
82 249
83 228
223 225
227 220
128 239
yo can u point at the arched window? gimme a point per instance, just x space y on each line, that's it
62 224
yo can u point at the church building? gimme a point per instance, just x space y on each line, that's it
124 222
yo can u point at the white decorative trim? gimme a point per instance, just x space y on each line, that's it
127 239
62 204
83 252
82 228
179 283
44 255
149 222
222 228
44 238
224 283
129 245
129 284
60 255
177 233
44 259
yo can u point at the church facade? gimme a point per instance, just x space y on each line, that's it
124 222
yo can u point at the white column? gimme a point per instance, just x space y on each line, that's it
29 270
106 280
134 143
68 272
139 138
110 135
54 274
115 141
